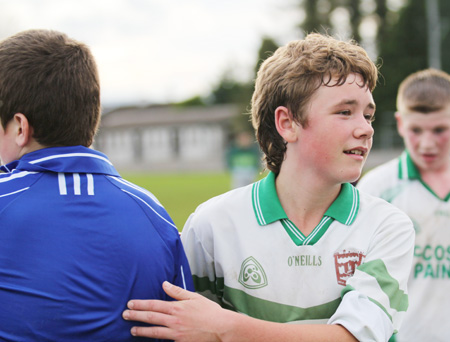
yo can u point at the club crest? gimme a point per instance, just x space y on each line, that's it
346 263
252 275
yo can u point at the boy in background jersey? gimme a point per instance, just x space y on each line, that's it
418 182
302 245
77 241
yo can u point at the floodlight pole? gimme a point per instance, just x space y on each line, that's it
434 34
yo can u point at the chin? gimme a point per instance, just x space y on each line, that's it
353 178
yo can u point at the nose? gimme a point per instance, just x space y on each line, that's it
426 141
364 129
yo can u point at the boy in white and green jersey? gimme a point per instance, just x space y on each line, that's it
251 258
418 182
302 245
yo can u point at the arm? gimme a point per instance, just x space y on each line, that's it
194 318
198 247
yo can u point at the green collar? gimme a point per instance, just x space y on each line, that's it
268 209
406 167
408 170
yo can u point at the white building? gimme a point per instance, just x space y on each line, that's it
166 138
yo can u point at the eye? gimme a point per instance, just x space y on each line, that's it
370 117
345 112
439 130
416 130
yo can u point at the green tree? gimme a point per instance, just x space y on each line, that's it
229 90
316 16
403 50
382 15
191 102
355 18
267 48
242 120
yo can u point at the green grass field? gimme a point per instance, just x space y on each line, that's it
180 194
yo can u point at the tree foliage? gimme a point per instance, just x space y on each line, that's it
403 46
229 90
400 44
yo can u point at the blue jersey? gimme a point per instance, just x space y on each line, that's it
77 242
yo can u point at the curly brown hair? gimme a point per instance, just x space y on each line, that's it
291 76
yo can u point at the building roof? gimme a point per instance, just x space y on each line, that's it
167 115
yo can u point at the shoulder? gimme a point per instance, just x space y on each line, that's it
16 181
145 200
222 208
387 169
134 190
16 186
377 211
380 177
228 201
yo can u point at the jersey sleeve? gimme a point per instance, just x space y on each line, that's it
379 180
375 298
198 244
183 276
370 184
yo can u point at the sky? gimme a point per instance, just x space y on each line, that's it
159 51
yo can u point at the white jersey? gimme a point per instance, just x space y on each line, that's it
351 270
399 182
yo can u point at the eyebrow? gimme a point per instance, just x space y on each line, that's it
371 105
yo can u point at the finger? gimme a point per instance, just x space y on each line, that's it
154 332
150 305
177 292
149 317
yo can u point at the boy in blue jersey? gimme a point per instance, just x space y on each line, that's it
77 240
301 246
418 182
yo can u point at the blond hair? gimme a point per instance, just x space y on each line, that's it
424 91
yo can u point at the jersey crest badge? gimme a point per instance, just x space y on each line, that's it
252 275
346 263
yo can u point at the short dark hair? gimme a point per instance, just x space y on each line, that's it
424 91
52 80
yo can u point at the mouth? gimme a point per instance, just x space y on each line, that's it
358 152
429 157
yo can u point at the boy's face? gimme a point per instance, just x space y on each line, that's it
338 137
8 147
427 138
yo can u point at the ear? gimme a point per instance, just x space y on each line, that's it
285 124
23 130
398 118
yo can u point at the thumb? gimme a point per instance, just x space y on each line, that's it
177 292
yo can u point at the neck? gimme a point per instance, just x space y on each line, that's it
31 146
438 180
304 199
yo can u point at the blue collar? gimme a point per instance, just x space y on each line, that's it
71 159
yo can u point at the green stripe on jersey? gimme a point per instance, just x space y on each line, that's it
299 238
397 297
202 284
265 201
276 312
406 167
260 308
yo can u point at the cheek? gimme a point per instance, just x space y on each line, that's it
444 141
411 139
